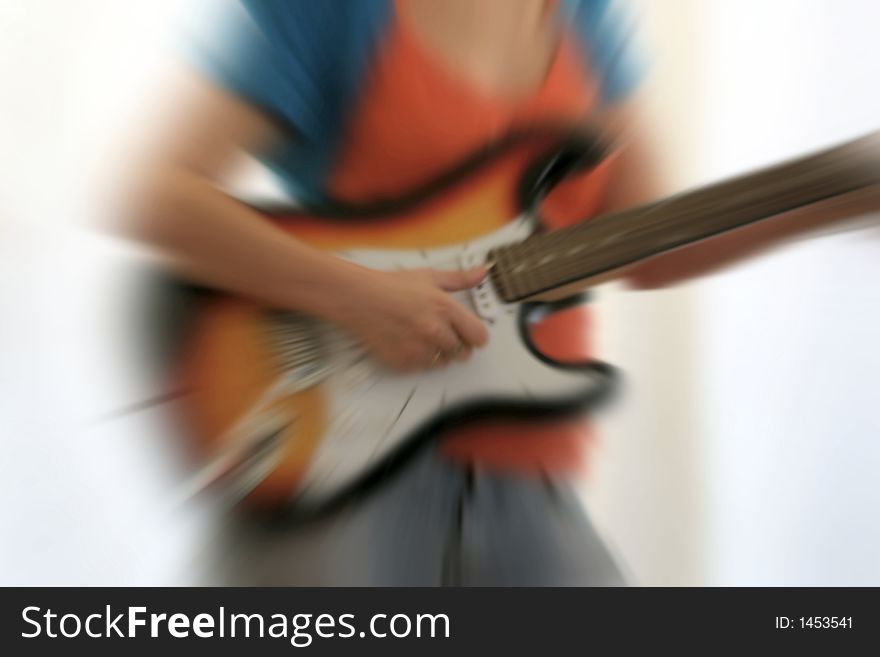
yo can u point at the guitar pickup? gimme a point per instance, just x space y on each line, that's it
482 299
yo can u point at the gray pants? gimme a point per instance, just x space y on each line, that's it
437 522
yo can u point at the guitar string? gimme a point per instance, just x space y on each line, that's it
599 244
807 175
567 254
601 241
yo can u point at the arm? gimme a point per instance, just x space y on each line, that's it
175 205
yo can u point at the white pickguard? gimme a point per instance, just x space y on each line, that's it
372 410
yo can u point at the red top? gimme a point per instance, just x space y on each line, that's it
415 119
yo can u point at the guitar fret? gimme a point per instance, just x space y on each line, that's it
550 260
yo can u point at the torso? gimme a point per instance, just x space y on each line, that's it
419 113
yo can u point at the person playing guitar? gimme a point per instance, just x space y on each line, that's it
358 102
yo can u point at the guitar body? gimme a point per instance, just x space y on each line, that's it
309 417
294 416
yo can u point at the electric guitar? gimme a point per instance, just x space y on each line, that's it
294 416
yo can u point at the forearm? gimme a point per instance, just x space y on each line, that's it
210 238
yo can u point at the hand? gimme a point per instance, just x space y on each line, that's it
407 320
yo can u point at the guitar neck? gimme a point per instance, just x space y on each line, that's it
588 251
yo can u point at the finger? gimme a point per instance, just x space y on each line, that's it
417 362
463 354
439 345
457 279
470 329
446 341
438 360
405 360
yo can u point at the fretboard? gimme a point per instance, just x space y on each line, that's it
587 250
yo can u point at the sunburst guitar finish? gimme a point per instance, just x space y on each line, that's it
295 414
